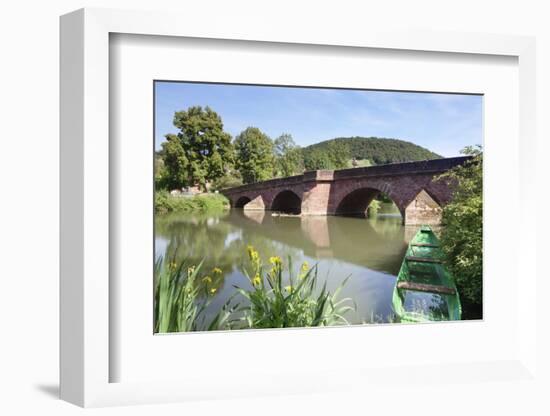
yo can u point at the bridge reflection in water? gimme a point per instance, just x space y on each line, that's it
378 243
370 250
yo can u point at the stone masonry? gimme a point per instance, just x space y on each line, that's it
412 186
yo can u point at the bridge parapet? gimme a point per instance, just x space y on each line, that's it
405 168
270 183
391 169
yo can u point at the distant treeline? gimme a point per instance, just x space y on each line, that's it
377 150
204 155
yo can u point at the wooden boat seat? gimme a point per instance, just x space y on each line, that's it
420 287
422 259
424 245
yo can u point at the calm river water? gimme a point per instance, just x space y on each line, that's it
368 250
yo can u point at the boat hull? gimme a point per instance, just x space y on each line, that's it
425 291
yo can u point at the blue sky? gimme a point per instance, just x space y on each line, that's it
443 123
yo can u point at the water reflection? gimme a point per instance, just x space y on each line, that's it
370 250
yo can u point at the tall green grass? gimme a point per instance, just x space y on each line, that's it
180 301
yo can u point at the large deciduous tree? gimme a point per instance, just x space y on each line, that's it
254 155
289 156
173 169
205 151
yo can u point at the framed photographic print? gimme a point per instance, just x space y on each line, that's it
255 232
271 206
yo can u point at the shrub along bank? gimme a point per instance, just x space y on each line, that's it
166 203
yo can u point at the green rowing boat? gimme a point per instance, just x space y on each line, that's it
425 290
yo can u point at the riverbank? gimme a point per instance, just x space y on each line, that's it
202 203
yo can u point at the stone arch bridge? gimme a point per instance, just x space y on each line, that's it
412 186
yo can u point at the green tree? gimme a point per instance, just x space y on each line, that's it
206 147
254 155
336 155
316 159
289 156
172 172
462 235
339 154
229 181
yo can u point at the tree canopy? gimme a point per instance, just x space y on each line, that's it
254 155
335 155
288 155
378 150
201 147
202 153
173 169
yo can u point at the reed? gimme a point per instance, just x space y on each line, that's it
270 303
179 305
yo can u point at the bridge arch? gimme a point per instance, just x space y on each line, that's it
241 202
356 202
287 202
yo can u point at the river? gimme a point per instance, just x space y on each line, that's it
369 251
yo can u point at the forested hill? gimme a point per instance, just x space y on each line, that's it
377 150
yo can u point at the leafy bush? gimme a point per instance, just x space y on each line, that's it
462 234
374 207
166 203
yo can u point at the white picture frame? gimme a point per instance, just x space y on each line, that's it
85 212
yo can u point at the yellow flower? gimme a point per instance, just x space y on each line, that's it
288 289
251 252
213 290
207 279
217 270
190 270
275 261
257 280
254 257
304 269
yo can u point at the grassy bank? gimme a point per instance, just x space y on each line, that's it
166 203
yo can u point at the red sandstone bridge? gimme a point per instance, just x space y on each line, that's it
412 186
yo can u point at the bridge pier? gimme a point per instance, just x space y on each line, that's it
423 210
256 204
316 199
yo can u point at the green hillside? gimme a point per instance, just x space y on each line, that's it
377 150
